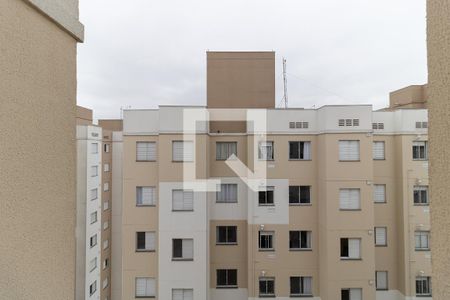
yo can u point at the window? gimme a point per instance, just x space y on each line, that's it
105 225
351 294
422 239
226 235
105 244
380 236
381 280
145 241
93 217
379 193
348 122
93 264
421 125
145 287
423 286
182 249
183 151
301 286
106 186
182 294
105 205
106 148
266 240
298 125
226 278
299 240
227 193
291 125
105 263
182 200
349 199
94 148
420 150
93 288
225 149
94 194
145 151
378 150
265 196
145 196
93 240
300 150
94 171
349 150
105 283
378 126
265 150
299 195
350 248
421 195
266 287
106 168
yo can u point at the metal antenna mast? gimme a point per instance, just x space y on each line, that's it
285 95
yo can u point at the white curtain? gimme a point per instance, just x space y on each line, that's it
307 150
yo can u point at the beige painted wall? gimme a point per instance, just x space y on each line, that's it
438 12
37 155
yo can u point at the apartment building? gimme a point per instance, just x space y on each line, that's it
246 201
38 44
94 167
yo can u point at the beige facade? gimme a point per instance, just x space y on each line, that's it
438 32
37 177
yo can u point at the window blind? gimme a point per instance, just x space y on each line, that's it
145 151
225 149
145 287
354 248
188 248
378 150
183 151
348 150
182 200
379 193
349 199
182 294
145 195
355 294
381 280
227 193
150 238
380 236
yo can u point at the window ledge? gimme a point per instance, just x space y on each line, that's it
381 246
226 287
300 204
422 250
182 161
266 250
347 209
225 202
350 259
267 296
300 296
138 160
187 210
266 205
145 297
182 259
421 204
300 249
226 244
138 251
299 159
145 205
355 160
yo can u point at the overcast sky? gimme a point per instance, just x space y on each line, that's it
142 53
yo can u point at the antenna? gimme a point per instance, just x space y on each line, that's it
285 95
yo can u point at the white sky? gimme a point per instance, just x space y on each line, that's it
142 53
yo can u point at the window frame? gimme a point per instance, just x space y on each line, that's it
221 190
260 152
176 258
425 146
349 160
422 233
301 145
428 286
266 293
226 143
146 284
145 249
141 188
385 236
359 199
348 257
183 160
387 281
384 191
146 160
266 190
299 203
227 285
183 192
308 240
227 242
301 286
384 150
270 234
420 188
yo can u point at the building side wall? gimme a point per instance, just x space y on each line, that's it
439 104
37 181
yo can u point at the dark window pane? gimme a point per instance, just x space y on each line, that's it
221 277
416 197
177 248
294 194
232 238
305 194
304 239
222 234
140 240
294 241
295 285
344 247
262 287
232 277
269 197
270 287
302 156
294 150
345 294
262 197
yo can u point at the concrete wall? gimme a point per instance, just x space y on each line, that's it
37 154
439 104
